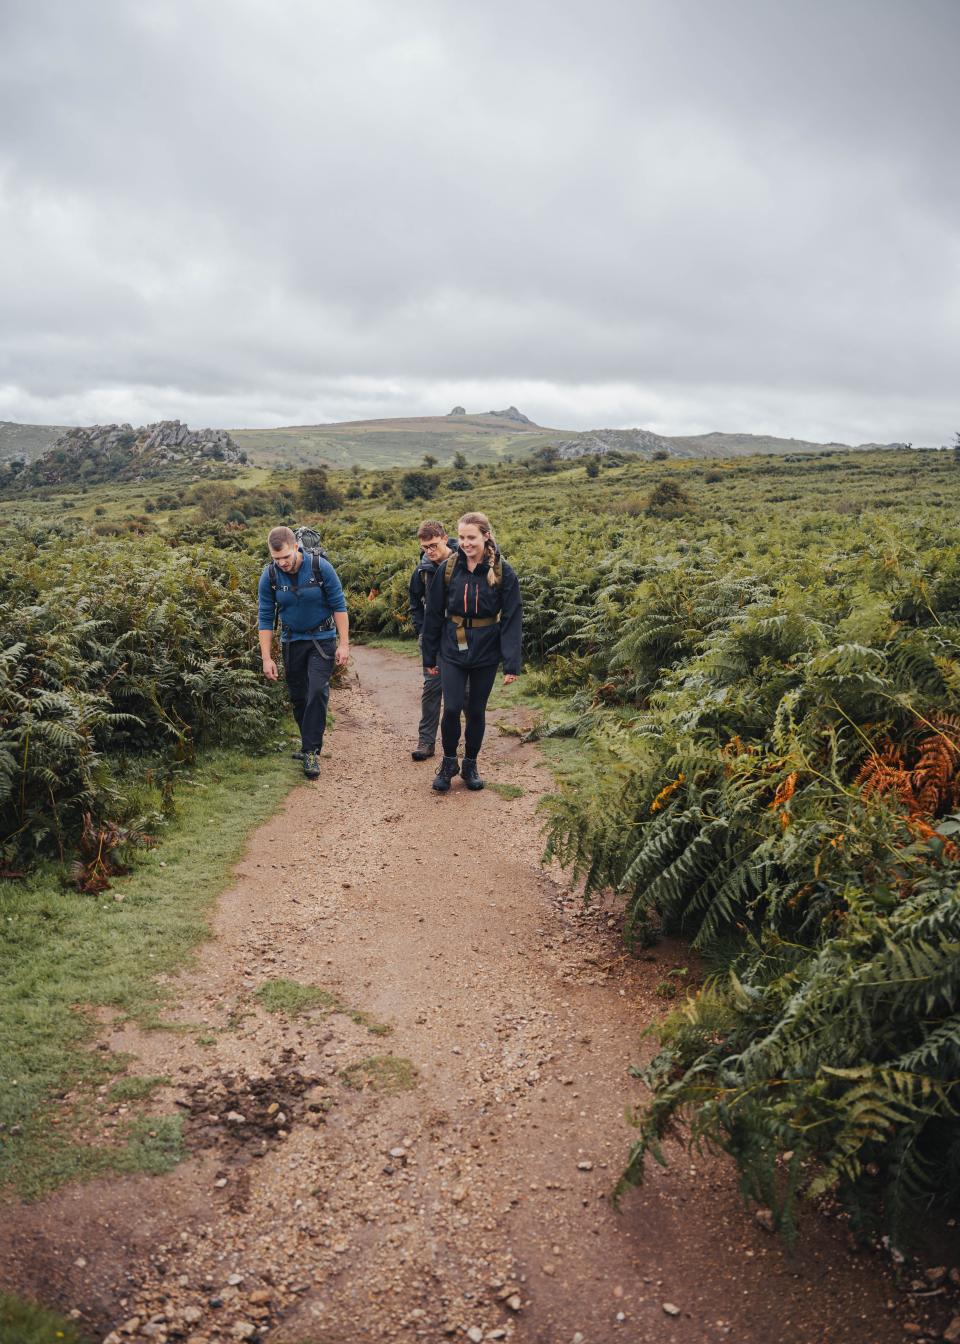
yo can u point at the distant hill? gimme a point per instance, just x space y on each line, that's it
87 456
490 436
26 441
645 444
402 442
744 445
486 436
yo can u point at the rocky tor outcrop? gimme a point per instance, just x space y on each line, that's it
120 452
599 442
511 413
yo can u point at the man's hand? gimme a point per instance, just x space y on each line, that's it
432 671
508 677
342 656
270 669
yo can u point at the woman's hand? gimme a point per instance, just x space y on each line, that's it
432 671
508 677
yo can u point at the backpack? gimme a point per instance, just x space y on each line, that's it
309 541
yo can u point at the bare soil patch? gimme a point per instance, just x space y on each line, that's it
453 1108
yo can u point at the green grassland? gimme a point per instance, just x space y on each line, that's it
65 954
26 1323
484 438
26 441
392 443
404 441
752 668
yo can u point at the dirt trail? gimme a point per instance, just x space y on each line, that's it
327 1199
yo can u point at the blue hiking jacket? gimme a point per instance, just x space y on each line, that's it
304 605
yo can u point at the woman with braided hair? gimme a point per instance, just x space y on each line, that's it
472 623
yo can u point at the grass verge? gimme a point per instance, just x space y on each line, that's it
25 1323
408 647
64 955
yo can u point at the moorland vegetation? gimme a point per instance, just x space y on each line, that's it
760 660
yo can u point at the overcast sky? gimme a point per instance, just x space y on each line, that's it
683 215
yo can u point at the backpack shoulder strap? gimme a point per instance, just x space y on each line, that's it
272 575
449 568
315 561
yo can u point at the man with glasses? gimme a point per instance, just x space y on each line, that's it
435 548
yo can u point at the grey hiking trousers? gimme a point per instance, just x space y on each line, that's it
430 699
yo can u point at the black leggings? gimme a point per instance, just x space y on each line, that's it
470 686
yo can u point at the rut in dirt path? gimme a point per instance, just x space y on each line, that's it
428 1151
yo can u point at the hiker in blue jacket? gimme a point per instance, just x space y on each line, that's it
472 622
435 548
302 588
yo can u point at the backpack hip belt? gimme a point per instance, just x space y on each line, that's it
465 623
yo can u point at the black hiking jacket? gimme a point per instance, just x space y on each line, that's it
470 595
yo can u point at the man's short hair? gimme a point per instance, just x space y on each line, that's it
429 529
280 537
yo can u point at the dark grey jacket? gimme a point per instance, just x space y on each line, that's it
420 584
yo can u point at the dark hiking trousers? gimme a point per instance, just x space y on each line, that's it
465 690
430 698
308 669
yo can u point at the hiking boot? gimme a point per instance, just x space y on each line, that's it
448 769
471 776
311 764
423 752
296 755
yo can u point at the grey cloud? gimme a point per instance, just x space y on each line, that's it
225 201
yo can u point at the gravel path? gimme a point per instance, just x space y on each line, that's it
428 1152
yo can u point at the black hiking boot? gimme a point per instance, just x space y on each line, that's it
448 769
423 752
311 764
471 776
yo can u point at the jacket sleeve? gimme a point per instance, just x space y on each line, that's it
416 599
433 618
267 602
511 622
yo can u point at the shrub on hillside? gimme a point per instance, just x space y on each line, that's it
668 500
417 485
112 654
315 493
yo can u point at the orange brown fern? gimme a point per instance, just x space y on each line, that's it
929 788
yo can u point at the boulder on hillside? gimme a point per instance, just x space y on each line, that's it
599 442
457 410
